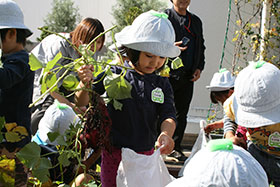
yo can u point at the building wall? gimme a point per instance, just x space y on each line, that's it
212 13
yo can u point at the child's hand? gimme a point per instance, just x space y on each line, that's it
167 142
236 140
85 73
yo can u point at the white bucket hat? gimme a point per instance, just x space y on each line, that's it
11 16
150 32
221 81
256 98
222 168
57 118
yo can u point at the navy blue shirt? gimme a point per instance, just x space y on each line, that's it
16 84
135 126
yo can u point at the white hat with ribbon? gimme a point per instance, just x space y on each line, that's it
151 32
221 81
256 97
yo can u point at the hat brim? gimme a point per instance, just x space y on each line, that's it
159 48
254 119
218 89
162 49
27 31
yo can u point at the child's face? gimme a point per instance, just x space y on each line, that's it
181 4
9 43
99 44
148 63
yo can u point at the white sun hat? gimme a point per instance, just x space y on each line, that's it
256 98
221 81
11 16
222 168
151 32
57 118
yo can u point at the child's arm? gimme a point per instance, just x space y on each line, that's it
85 75
165 138
229 132
215 125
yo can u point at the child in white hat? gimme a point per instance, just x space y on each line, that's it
148 42
222 164
256 105
221 89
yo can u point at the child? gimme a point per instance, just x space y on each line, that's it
45 51
58 118
221 88
256 105
148 41
222 164
16 78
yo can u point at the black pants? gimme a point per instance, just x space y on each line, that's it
183 93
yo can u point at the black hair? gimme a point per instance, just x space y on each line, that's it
133 55
215 95
171 1
21 35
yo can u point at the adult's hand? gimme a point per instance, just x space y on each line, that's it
180 47
196 75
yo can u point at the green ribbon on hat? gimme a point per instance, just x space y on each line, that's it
257 64
159 14
220 144
59 105
222 70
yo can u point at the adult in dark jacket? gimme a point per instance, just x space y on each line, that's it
189 38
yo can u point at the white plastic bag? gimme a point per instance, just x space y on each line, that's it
138 170
200 142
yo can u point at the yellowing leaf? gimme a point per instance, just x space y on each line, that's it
7 164
21 130
10 126
12 137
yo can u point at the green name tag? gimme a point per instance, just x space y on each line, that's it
157 96
274 140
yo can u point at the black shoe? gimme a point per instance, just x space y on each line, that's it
179 155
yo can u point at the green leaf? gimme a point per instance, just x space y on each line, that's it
78 63
176 63
42 171
49 79
34 63
70 82
29 155
53 62
117 87
117 105
60 140
97 70
63 159
52 136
